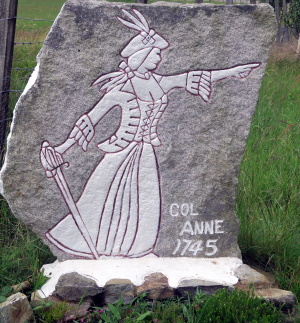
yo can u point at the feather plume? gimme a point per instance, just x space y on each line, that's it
134 20
128 24
140 24
142 19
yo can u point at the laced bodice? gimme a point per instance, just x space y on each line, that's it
151 113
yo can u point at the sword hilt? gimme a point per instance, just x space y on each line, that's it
51 160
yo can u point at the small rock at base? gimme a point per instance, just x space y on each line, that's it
156 286
283 299
188 287
16 309
73 287
114 289
249 276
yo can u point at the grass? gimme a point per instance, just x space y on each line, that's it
22 252
37 9
223 307
269 181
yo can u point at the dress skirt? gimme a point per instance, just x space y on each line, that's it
120 207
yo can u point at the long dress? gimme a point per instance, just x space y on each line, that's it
121 201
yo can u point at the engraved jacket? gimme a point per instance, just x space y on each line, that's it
139 118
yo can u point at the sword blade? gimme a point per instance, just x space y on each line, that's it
66 193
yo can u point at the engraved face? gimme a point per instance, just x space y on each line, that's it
151 61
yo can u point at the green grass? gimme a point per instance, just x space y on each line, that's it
269 181
37 9
22 252
223 307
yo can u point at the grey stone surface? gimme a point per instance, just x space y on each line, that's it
202 144
283 299
189 287
252 277
116 288
16 309
74 287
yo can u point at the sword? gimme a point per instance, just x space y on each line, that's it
51 159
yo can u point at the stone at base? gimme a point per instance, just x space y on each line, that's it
189 287
116 288
252 277
162 278
218 270
283 299
16 309
74 287
156 286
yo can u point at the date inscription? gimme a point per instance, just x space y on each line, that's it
193 237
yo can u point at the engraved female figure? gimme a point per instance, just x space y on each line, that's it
120 207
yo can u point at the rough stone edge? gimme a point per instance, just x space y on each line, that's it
15 307
31 82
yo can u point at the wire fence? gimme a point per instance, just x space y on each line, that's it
10 18
21 43
12 79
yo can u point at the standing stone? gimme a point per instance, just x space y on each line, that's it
147 167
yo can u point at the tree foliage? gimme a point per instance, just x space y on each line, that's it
292 18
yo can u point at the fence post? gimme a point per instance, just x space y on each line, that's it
8 9
229 1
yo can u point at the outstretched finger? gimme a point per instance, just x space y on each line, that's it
84 145
90 135
253 65
78 135
73 132
81 140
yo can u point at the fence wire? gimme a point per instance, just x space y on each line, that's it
29 43
12 81
22 43
10 18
